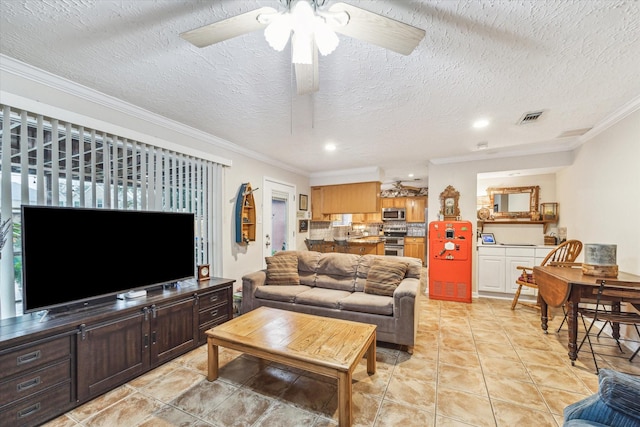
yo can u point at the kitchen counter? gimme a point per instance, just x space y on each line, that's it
515 245
366 240
356 245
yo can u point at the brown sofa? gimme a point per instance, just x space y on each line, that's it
335 285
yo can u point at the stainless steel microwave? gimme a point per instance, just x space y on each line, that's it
394 214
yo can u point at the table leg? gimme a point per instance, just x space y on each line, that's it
544 310
212 360
572 325
371 357
345 405
615 326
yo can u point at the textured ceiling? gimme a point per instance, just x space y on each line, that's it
576 60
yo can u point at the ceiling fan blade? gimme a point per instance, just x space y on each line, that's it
307 79
227 28
377 29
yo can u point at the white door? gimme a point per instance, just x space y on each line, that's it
279 217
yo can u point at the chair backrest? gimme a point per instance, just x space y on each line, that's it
565 252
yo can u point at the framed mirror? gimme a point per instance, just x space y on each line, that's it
514 202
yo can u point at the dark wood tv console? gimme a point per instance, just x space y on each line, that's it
49 367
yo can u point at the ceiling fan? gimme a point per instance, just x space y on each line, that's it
312 28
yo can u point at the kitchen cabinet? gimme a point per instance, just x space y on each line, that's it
317 194
393 202
415 247
415 207
360 197
497 272
366 218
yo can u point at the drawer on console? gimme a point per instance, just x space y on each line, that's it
38 408
213 313
211 299
34 381
35 355
202 337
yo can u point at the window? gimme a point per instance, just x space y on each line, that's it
49 162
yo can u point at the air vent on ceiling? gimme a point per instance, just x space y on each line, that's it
530 117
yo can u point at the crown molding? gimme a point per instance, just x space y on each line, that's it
568 144
37 75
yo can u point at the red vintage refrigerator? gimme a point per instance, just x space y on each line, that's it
450 245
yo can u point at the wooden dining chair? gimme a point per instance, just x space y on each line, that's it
564 255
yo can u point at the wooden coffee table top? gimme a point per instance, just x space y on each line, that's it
308 339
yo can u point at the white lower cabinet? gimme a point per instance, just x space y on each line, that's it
497 267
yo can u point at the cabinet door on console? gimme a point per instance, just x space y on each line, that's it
110 354
173 330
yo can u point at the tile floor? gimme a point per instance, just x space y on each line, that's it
478 364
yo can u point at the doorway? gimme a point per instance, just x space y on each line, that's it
279 209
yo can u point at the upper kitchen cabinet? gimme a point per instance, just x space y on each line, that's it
361 197
316 203
393 202
415 207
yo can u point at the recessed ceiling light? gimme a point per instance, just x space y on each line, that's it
482 123
410 175
330 147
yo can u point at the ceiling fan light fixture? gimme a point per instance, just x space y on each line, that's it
278 31
302 49
326 39
304 27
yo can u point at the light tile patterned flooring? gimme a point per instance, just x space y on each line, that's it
478 364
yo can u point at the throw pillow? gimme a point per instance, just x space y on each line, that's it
385 276
282 270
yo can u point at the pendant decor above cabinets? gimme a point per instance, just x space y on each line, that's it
245 215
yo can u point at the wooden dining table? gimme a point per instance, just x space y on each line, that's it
558 286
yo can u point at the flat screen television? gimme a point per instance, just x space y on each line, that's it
75 256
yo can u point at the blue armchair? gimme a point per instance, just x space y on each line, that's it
617 403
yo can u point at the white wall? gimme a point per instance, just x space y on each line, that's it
598 189
600 192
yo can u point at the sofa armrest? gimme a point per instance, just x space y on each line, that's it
250 283
405 296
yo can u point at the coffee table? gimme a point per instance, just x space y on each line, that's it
322 345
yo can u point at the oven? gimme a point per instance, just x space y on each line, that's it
394 243
394 246
394 214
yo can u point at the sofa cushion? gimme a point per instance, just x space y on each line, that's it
385 276
307 266
282 270
414 269
620 391
337 271
322 297
368 303
280 293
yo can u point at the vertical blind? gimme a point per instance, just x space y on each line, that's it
46 161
